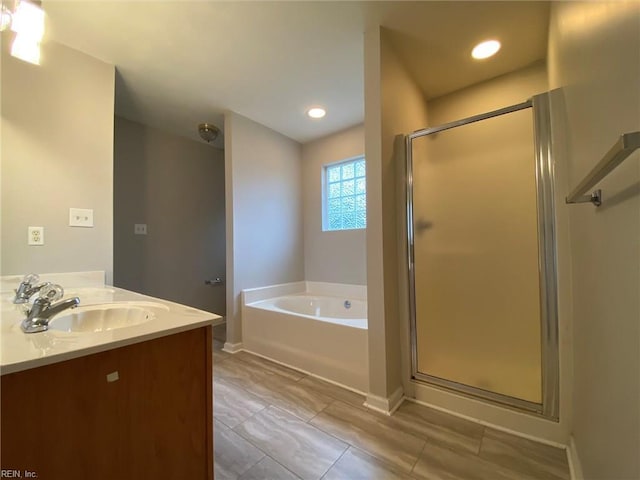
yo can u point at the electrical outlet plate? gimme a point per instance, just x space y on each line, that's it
140 229
81 217
36 236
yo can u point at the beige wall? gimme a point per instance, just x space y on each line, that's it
394 105
509 89
263 212
339 256
594 56
175 186
57 153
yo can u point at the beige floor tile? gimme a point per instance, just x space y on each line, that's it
218 354
272 388
524 456
267 407
334 391
233 455
302 402
268 469
240 373
357 465
374 435
438 427
269 366
440 463
300 447
232 405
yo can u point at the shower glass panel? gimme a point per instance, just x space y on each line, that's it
475 259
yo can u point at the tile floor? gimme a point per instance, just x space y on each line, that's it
272 422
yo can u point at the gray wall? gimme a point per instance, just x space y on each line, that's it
57 153
263 212
594 55
341 256
176 186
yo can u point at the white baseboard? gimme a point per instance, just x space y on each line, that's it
232 347
311 374
385 405
575 467
490 424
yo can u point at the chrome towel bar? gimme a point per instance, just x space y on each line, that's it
625 145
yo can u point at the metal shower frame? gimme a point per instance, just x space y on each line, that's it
547 262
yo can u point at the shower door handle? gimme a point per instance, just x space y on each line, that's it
423 225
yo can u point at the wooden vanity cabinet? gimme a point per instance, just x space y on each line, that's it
75 420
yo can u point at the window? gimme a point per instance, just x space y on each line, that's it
345 195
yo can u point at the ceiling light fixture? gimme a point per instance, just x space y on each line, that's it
5 17
208 132
26 49
485 49
27 21
316 112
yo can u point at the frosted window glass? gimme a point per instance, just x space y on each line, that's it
349 220
348 171
345 204
333 174
335 222
348 187
348 204
334 207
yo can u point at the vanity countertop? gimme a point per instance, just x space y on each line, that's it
20 351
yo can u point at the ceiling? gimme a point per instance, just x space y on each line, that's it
181 63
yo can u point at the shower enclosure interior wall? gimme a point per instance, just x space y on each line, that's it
481 257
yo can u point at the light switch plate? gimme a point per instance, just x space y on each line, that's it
80 217
140 228
36 236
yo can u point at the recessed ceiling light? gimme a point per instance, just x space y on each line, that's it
485 49
316 112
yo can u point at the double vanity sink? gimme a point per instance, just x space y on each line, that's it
118 387
106 318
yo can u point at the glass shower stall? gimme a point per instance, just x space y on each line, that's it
482 257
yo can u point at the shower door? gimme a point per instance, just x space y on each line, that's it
482 257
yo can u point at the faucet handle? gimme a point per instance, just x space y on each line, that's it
51 292
31 278
26 288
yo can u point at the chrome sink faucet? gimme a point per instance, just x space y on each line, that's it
29 287
44 309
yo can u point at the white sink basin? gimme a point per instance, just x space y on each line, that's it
105 317
85 291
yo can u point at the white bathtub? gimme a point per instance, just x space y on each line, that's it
306 325
322 308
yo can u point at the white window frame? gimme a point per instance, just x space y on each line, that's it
325 193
